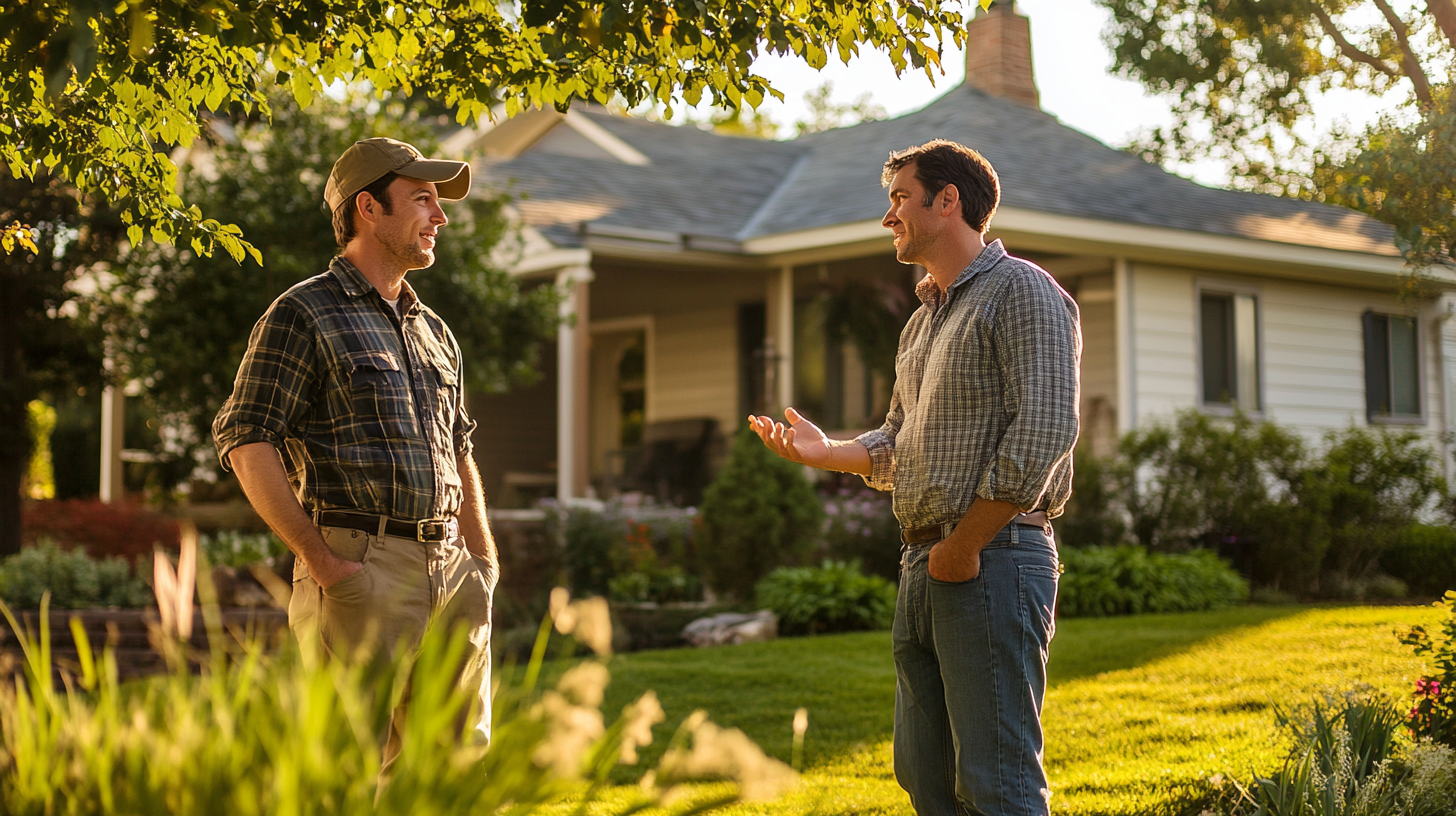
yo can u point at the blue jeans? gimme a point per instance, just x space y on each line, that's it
971 664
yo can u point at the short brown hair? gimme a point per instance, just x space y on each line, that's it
939 163
344 229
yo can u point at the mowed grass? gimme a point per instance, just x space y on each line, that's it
1136 705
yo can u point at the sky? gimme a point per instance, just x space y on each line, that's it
1070 64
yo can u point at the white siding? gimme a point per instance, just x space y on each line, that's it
1315 355
696 356
1311 349
1164 340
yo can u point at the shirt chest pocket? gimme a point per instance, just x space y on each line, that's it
379 391
447 391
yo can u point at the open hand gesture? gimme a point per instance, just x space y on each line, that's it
800 441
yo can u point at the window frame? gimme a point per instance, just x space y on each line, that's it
1392 418
1231 290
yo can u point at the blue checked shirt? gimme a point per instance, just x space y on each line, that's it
985 399
367 407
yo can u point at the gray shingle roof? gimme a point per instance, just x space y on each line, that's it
698 183
703 184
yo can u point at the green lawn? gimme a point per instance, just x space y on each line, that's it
1135 703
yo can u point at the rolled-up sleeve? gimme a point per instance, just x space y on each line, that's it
464 425
275 382
1039 345
881 445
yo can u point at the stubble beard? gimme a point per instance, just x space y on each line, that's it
910 250
410 253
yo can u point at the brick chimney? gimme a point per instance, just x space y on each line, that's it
998 54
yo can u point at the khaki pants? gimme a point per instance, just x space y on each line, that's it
404 589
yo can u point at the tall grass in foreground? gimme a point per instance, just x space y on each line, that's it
284 732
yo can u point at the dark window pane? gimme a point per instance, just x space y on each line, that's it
1216 318
1377 364
1404 385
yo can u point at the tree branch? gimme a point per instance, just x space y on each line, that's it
1408 55
1348 48
1445 13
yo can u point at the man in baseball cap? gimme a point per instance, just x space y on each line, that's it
348 431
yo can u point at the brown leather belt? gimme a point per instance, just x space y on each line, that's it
936 532
428 531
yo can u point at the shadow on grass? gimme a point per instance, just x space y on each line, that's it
847 682
1088 646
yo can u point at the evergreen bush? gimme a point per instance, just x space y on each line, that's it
833 597
1102 581
759 513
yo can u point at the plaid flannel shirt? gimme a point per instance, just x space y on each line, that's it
368 407
985 399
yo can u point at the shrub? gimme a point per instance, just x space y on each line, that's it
860 525
1094 516
121 528
232 548
759 513
1344 760
1101 581
1293 519
1364 494
834 597
74 580
1424 558
624 552
1434 714
588 533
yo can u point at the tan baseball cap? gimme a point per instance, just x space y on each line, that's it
368 160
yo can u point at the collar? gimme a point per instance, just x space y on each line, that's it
353 281
930 294
356 285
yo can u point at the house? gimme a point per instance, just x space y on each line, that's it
692 262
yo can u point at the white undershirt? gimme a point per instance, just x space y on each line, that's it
393 304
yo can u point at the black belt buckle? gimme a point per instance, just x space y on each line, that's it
436 529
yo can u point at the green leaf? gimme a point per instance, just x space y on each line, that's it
302 87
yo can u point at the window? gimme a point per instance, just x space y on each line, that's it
1229 349
1392 369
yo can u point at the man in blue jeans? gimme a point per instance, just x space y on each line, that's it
977 447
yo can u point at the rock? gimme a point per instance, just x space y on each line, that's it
732 627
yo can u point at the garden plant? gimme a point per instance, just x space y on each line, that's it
292 733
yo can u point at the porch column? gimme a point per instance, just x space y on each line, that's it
780 308
1444 342
573 356
1126 355
113 424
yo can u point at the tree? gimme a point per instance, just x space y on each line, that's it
179 320
1243 73
826 114
46 343
96 92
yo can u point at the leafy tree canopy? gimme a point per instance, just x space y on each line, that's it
179 321
1243 74
96 92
